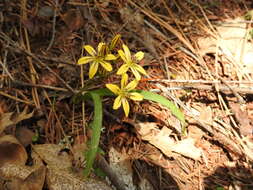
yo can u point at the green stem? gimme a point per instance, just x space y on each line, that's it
96 126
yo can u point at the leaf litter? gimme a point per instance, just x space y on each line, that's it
199 55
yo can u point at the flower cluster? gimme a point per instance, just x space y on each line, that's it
104 57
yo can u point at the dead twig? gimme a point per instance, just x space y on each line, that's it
17 83
102 163
201 81
57 60
15 98
234 91
54 23
26 45
222 88
16 48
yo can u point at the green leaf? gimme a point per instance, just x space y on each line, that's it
96 125
99 172
96 132
165 102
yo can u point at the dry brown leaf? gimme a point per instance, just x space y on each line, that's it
73 19
11 151
78 150
242 117
13 157
232 44
58 180
12 171
205 114
195 132
162 140
22 116
3 107
24 135
53 156
60 173
35 180
8 119
20 177
5 121
187 148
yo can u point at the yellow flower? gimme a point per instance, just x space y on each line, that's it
97 58
124 92
131 62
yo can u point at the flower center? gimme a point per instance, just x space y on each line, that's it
123 93
131 63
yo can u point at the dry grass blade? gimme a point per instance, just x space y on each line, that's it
26 44
15 47
159 21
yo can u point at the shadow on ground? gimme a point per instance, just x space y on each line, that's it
237 177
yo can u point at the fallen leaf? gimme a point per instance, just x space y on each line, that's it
5 121
205 113
58 180
187 148
73 19
8 119
21 177
161 139
243 119
231 44
53 156
24 135
11 151
60 174
3 107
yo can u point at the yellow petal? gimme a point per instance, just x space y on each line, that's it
109 57
127 53
101 48
136 96
84 60
123 69
90 50
124 80
140 69
136 73
114 88
114 41
107 66
93 69
125 106
139 55
117 102
122 55
131 85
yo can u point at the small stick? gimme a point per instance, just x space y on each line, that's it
102 163
233 90
15 47
200 81
222 88
21 83
15 98
54 23
56 59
